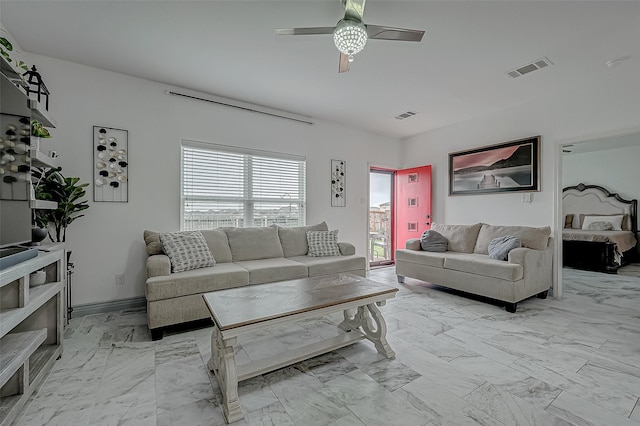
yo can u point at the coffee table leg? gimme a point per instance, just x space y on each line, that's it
352 322
223 364
365 317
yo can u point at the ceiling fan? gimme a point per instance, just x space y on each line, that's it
350 34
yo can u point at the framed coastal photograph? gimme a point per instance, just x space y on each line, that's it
506 167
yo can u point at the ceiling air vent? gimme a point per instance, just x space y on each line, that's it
533 66
405 115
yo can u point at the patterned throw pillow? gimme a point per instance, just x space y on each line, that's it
500 247
323 243
186 250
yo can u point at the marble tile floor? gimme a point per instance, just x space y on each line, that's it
460 361
632 269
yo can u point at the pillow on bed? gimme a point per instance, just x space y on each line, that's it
600 226
625 219
568 221
615 221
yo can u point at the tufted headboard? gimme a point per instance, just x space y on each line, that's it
594 199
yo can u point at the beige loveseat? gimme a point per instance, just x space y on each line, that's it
466 265
243 256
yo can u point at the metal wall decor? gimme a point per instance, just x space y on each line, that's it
15 165
110 164
338 183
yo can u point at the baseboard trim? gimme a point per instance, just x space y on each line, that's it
114 305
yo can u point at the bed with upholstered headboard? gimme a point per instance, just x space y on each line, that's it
600 228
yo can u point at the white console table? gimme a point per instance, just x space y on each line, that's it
31 328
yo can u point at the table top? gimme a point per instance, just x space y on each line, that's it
242 306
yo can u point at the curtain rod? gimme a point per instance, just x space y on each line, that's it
169 92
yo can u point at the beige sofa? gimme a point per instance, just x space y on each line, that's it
243 256
466 266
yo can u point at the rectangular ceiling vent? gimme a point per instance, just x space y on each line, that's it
533 66
405 115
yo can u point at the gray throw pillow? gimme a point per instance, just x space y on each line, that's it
433 241
186 250
601 226
500 247
323 243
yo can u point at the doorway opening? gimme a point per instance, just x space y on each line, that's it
399 210
380 217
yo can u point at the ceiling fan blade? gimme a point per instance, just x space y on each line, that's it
398 34
305 31
354 9
344 63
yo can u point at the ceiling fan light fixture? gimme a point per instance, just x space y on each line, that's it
350 37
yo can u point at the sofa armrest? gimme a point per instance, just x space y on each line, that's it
158 265
537 265
527 256
346 249
413 244
520 255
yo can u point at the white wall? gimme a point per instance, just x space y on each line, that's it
617 170
108 240
605 107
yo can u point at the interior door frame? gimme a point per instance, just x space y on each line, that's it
392 225
558 215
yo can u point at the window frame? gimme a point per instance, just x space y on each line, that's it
247 199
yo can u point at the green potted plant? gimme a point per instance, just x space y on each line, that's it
51 185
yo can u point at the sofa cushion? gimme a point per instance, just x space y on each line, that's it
270 270
323 243
186 250
426 258
253 243
331 265
461 238
218 244
152 241
294 240
500 247
479 264
203 280
534 238
433 241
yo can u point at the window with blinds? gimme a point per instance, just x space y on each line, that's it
227 186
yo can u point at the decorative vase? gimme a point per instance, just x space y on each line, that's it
37 278
38 235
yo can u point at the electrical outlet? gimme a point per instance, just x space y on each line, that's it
119 279
526 197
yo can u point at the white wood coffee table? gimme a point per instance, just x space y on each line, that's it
245 310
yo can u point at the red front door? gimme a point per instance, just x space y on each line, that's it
412 204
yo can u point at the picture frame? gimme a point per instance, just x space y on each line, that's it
505 167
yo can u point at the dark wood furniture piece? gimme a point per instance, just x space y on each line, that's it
593 255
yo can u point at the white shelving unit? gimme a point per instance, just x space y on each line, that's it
31 328
16 102
39 159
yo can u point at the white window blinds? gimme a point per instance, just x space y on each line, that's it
227 186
